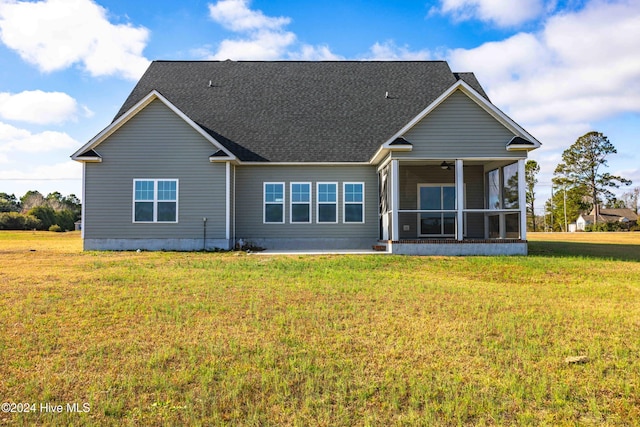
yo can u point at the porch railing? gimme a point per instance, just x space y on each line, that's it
476 223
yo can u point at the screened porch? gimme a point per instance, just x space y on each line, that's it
452 201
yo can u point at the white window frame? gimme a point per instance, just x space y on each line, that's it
318 203
291 202
265 203
344 203
155 200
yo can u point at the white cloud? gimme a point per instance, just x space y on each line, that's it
56 34
235 15
580 68
262 37
263 45
13 139
389 51
38 107
315 53
500 12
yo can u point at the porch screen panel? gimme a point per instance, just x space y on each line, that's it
384 183
493 180
510 190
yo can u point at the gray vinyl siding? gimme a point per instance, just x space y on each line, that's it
458 128
249 202
154 144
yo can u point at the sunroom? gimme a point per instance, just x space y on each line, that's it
453 206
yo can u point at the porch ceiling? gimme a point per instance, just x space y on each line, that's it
493 163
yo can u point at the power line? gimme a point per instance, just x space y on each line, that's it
40 179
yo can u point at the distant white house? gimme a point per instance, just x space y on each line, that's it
625 216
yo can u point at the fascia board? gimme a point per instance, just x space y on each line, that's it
303 163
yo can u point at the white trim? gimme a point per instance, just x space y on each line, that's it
264 202
291 202
228 201
494 111
344 202
460 196
89 159
84 200
522 199
154 201
235 209
395 199
438 160
318 202
133 111
304 163
384 163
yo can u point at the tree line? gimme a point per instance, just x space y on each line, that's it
33 211
580 185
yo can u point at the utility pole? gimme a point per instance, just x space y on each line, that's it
551 219
565 209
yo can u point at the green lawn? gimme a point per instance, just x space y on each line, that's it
156 338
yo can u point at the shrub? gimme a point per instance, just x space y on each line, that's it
65 219
17 221
607 226
56 228
45 214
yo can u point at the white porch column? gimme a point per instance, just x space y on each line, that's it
522 199
459 199
395 199
227 225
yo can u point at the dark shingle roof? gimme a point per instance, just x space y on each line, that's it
288 111
471 80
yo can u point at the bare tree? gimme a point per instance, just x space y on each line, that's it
631 198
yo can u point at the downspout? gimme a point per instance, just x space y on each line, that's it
227 233
233 235
84 201
204 233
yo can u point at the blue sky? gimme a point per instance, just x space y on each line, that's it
558 68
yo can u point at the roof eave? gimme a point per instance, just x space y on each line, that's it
384 151
82 159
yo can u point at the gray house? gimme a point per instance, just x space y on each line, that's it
406 156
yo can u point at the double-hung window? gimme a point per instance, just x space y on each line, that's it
273 203
353 200
300 202
155 200
327 195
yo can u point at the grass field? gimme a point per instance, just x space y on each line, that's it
156 338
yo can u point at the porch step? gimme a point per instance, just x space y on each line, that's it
380 247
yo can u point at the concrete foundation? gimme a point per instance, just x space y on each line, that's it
154 244
458 249
311 244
